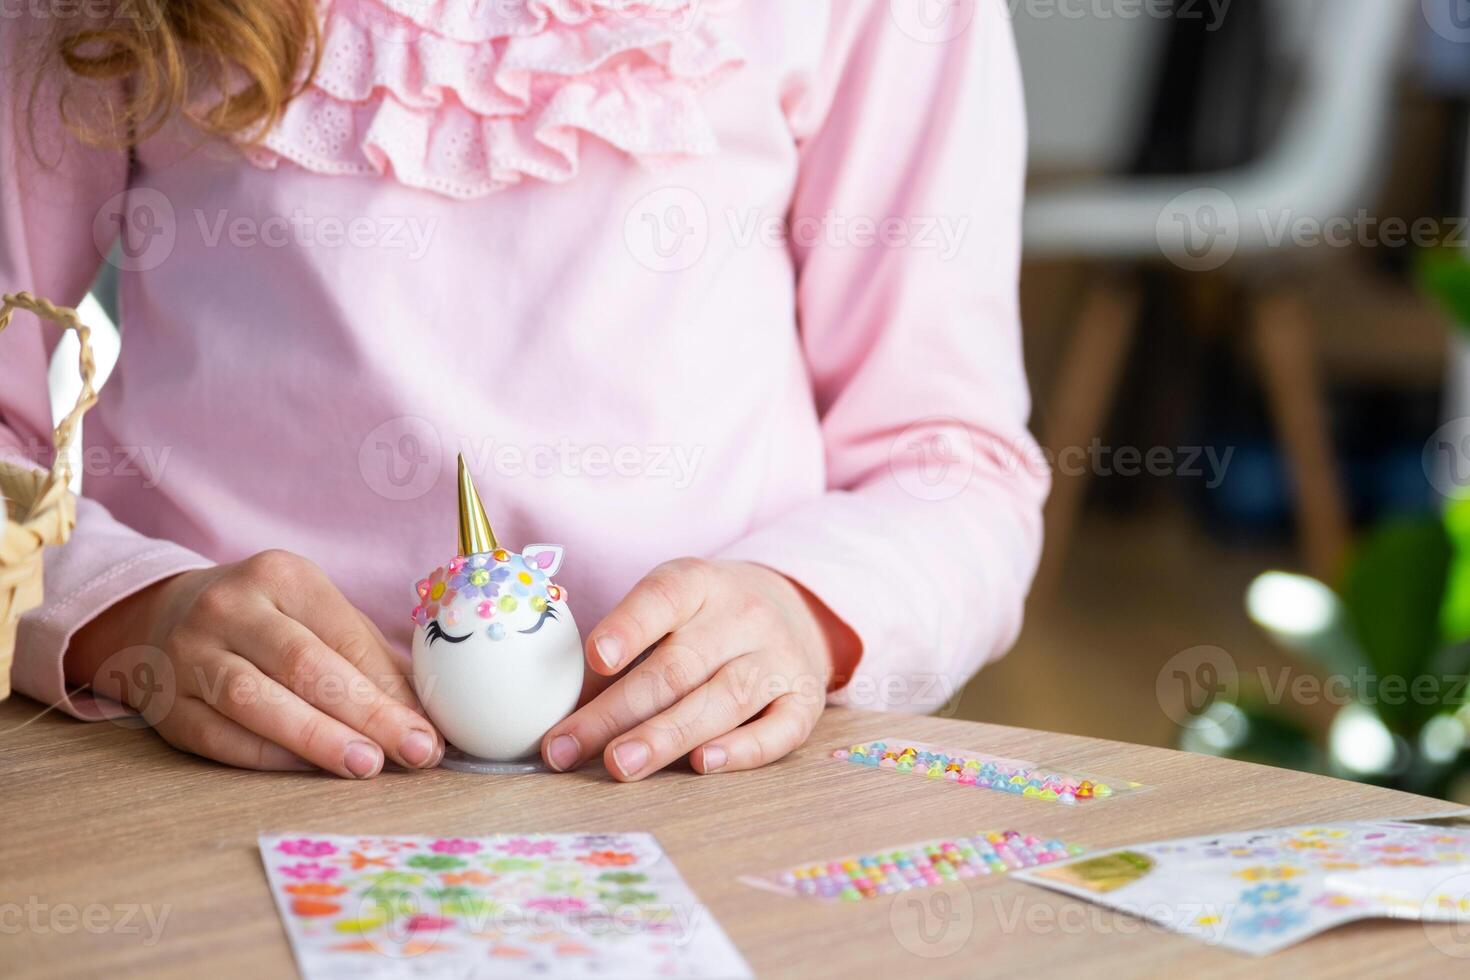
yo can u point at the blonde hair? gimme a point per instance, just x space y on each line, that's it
228 66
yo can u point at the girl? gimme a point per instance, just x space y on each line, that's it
731 280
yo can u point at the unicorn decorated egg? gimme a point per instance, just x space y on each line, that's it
497 659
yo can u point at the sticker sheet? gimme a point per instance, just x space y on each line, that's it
1262 891
523 905
963 767
904 868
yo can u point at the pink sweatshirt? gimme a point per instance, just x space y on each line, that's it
732 279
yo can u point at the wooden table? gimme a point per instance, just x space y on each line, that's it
96 819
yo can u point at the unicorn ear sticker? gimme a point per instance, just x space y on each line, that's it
497 659
546 557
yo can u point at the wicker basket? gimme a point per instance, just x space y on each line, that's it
39 509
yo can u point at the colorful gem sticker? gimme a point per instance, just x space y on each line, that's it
911 866
497 590
522 905
1262 891
965 768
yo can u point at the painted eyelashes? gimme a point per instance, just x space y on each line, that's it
434 632
550 613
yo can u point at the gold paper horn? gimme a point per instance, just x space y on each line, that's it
475 535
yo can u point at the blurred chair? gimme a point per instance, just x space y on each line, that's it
1323 164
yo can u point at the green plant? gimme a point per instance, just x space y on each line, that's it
1395 632
1444 276
1389 645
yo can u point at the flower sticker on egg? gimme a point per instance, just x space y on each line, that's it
435 593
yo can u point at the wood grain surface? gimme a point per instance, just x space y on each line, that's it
102 827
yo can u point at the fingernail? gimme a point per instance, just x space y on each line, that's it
564 752
610 649
417 749
631 757
363 760
714 758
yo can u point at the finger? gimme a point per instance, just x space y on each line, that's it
294 655
784 726
270 710
193 726
732 696
666 598
675 669
304 593
394 671
593 684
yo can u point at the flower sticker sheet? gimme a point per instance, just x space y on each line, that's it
523 905
1262 891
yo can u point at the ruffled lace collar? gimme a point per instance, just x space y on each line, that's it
468 98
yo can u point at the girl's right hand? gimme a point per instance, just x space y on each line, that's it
268 666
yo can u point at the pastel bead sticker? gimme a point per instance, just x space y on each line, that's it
910 866
966 768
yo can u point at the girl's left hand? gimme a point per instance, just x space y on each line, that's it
729 640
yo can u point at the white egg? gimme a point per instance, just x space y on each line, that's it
495 673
